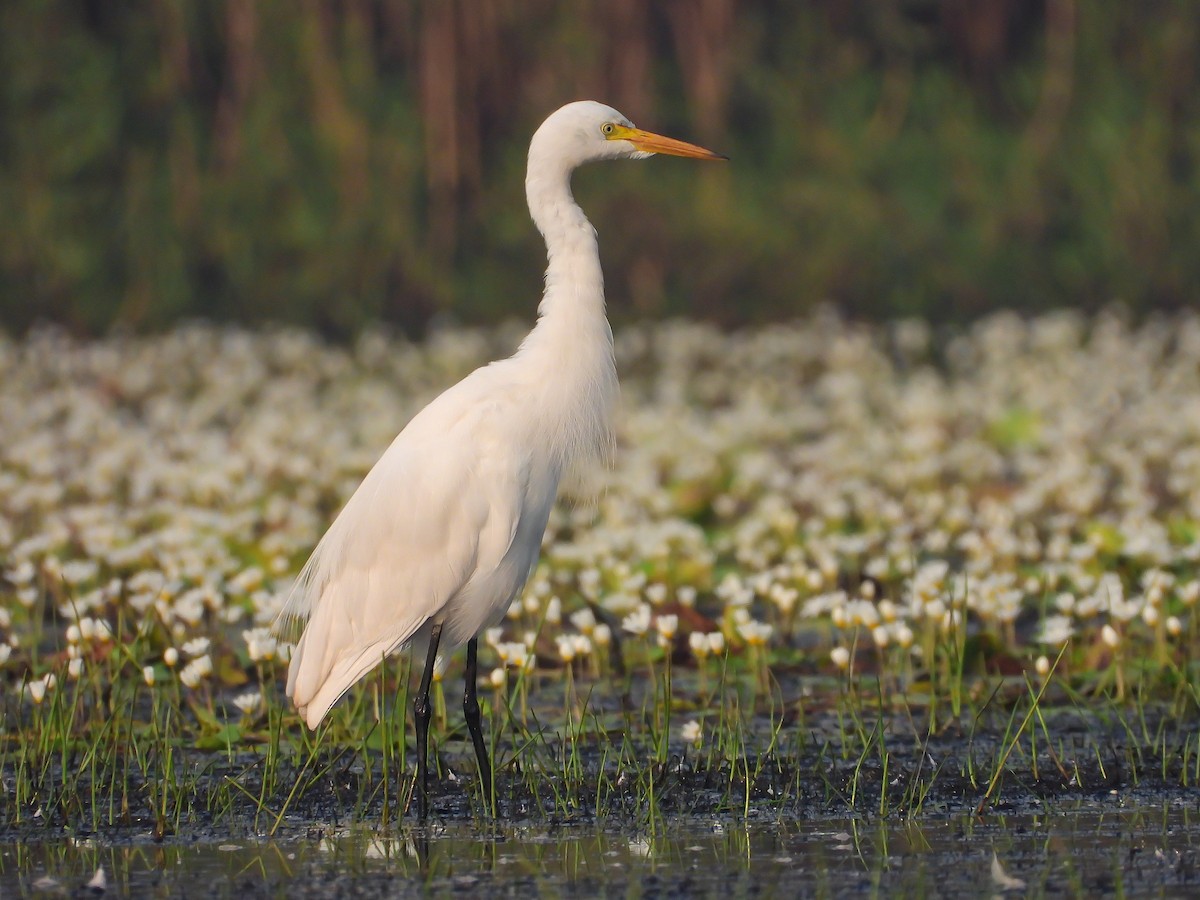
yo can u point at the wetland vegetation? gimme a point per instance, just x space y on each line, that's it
840 571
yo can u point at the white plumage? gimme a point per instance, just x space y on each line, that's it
445 529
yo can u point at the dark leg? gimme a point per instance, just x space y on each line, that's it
421 714
471 709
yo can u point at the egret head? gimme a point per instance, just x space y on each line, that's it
585 131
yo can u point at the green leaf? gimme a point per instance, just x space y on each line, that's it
227 736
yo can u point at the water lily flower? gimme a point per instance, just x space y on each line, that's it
249 703
638 621
196 671
196 647
756 634
691 732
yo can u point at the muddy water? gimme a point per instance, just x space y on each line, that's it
1110 847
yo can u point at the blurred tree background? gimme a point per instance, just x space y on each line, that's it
336 162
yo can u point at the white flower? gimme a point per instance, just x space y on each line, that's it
196 647
493 636
21 574
862 612
840 657
513 654
716 643
5 653
620 602
1190 592
1042 665
638 621
951 619
1110 591
667 626
756 634
196 671
249 703
247 580
170 657
1110 636
497 678
36 691
691 732
148 675
698 643
1174 627
783 597
589 583
78 571
1056 631
602 635
566 647
261 644
584 620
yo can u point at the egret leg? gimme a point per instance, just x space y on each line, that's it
422 712
471 710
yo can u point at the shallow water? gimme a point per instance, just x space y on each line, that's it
1090 849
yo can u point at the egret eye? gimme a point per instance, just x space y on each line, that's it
607 128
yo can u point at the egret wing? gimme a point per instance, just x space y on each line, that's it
407 541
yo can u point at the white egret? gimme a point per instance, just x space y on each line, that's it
445 529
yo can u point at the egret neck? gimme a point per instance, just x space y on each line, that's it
571 346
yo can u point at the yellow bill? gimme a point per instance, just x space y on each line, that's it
649 142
